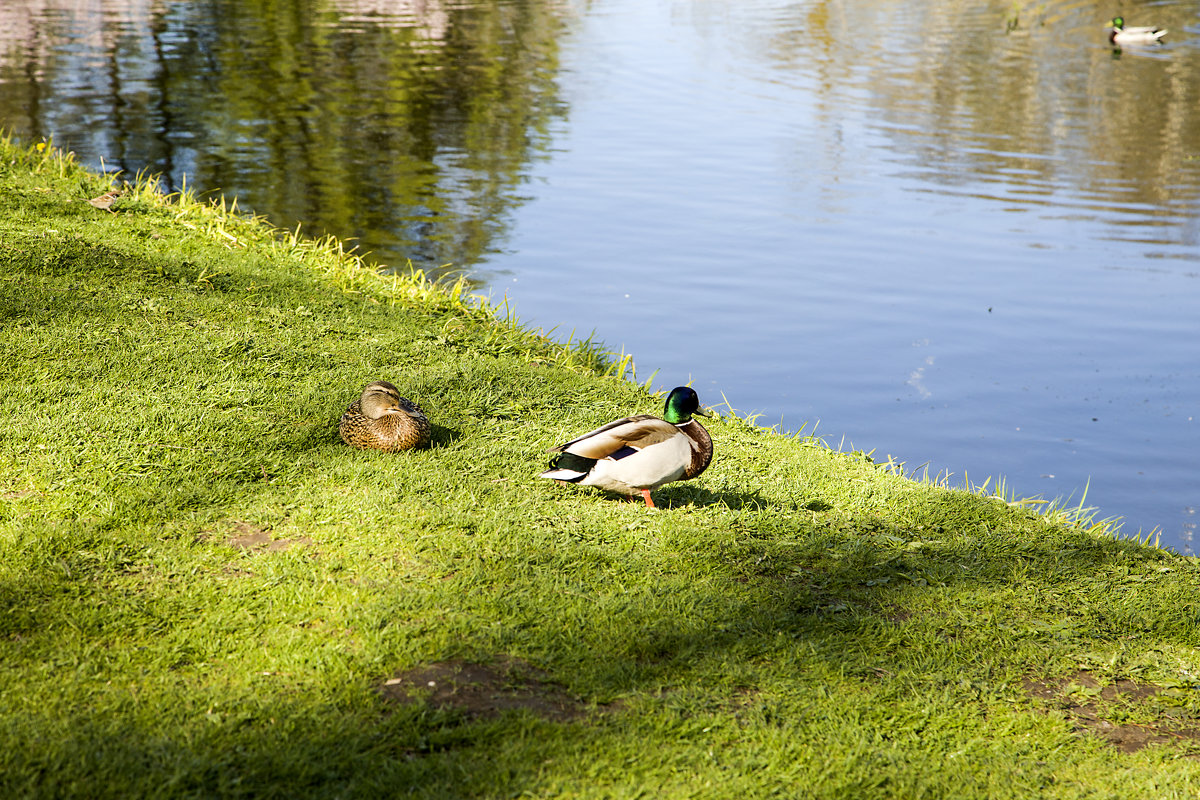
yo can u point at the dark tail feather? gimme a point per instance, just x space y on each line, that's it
569 467
573 462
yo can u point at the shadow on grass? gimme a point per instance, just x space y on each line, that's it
815 596
442 435
682 495
678 496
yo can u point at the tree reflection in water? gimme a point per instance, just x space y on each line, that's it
406 126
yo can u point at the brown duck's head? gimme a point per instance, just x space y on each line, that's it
380 398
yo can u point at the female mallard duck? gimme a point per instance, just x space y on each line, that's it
638 454
383 420
1118 34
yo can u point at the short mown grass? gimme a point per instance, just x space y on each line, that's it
203 593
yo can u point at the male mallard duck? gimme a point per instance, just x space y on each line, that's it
383 420
638 454
1119 34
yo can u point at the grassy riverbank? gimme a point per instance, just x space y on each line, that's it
203 593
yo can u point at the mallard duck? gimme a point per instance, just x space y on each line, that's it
640 453
383 420
1118 34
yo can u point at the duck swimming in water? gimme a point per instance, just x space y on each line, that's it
1118 34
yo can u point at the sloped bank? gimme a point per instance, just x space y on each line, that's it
203 592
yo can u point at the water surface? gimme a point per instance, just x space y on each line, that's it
962 236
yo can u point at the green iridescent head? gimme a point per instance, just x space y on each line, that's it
682 403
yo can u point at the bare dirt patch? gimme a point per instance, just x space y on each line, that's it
258 539
483 691
1092 707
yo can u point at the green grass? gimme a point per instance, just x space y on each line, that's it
202 591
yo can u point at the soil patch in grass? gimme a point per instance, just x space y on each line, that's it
257 539
483 691
1097 709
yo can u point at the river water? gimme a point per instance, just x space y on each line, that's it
965 236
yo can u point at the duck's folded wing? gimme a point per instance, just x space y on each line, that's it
632 432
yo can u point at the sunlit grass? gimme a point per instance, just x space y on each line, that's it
1059 510
204 593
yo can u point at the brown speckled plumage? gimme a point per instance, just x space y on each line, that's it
383 420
